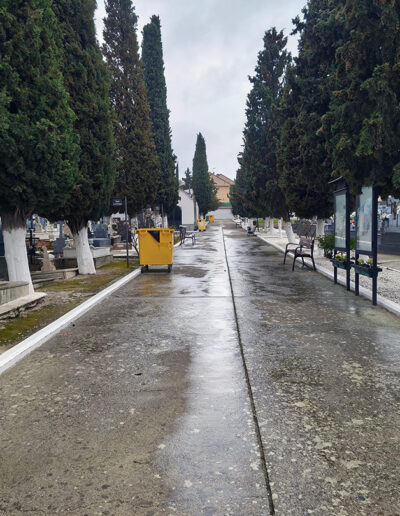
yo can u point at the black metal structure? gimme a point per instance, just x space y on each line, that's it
342 242
127 231
371 249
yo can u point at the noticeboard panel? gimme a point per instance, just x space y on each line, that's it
340 220
364 219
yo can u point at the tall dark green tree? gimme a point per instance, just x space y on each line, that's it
38 147
305 166
362 126
177 173
188 179
201 181
214 202
87 80
264 125
241 194
138 164
153 71
236 207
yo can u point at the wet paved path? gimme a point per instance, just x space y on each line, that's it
142 407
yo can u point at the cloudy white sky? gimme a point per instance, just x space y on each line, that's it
210 49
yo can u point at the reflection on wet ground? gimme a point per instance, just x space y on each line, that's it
324 367
142 407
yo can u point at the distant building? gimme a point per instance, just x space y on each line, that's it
223 185
187 211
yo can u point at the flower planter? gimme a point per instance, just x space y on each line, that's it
366 270
339 264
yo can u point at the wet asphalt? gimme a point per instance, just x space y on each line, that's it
175 397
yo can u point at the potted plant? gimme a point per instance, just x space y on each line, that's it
340 261
366 268
327 243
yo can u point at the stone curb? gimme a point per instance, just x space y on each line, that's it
391 306
13 355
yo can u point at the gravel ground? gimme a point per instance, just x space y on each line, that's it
388 279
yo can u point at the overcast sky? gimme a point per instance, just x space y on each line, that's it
210 49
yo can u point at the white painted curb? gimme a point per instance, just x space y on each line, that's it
391 306
13 355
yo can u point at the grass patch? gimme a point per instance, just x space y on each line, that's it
62 296
15 330
92 284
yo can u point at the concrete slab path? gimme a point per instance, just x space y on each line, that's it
139 408
145 405
325 371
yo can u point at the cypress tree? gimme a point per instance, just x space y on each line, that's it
202 184
214 202
138 165
236 208
264 125
87 80
153 71
188 179
305 166
241 194
362 126
37 141
177 173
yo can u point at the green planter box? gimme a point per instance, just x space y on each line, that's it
339 264
366 270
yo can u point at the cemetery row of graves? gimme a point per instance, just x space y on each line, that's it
72 146
86 134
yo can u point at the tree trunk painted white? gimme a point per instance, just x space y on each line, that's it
320 227
266 225
165 222
83 253
289 232
320 231
280 228
271 229
15 253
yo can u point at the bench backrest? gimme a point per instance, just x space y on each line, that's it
306 242
306 229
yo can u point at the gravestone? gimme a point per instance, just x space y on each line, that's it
59 245
47 264
100 230
100 236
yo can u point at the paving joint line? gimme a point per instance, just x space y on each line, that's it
249 388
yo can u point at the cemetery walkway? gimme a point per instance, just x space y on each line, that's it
176 397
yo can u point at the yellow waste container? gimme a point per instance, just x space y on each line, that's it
156 247
201 224
211 218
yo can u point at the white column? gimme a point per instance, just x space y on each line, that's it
289 232
83 253
320 227
16 254
280 228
